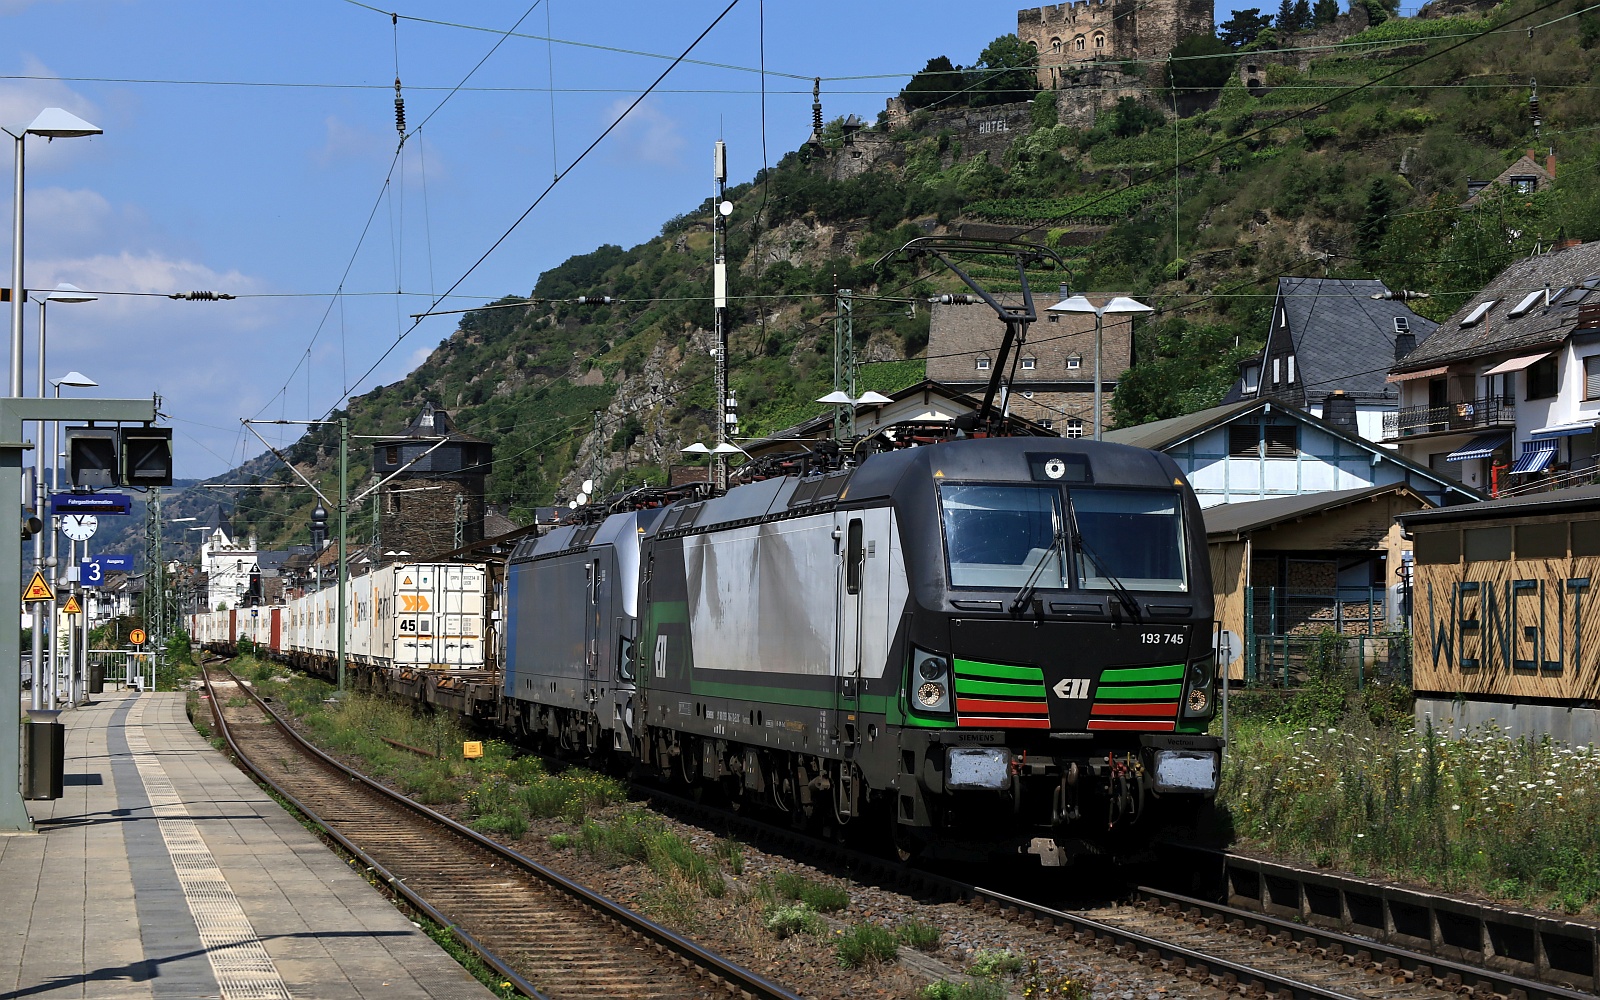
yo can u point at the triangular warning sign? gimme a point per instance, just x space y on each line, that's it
38 589
72 607
406 582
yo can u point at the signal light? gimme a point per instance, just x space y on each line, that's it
31 524
92 457
101 457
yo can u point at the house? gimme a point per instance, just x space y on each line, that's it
1525 176
231 567
1332 337
1506 393
1261 448
1289 569
1051 374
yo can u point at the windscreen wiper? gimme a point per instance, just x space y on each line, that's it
1058 546
1128 600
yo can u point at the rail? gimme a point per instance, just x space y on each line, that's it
737 977
1455 415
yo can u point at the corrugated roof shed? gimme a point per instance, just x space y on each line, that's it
1240 518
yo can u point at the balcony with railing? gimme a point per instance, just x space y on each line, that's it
1459 415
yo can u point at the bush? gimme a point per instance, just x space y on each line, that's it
866 944
823 898
918 935
981 989
995 962
795 918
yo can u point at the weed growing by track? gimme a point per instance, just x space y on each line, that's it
1511 817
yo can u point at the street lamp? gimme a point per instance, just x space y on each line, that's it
1119 305
73 380
52 123
840 399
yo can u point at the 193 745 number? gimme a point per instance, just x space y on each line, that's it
1161 638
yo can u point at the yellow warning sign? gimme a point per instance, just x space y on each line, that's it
38 589
413 602
406 582
137 637
472 750
72 606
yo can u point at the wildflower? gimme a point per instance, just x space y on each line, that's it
1455 808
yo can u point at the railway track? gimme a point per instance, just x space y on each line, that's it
546 934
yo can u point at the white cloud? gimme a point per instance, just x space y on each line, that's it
343 141
647 136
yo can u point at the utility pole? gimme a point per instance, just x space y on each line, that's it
155 573
844 362
344 514
719 239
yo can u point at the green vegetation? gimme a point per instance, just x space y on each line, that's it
789 919
995 962
916 934
866 944
816 895
1513 818
977 989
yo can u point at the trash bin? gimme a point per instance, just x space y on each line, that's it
97 677
44 757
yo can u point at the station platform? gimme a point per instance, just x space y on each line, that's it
165 872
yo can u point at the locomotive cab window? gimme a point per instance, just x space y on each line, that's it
853 556
1134 537
997 536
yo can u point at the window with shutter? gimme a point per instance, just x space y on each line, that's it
1283 441
1591 377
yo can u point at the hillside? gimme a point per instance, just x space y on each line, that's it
1350 161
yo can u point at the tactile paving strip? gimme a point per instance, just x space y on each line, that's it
239 960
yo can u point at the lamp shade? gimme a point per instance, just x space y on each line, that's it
1073 304
1123 304
54 123
727 448
69 293
698 448
872 398
838 397
77 380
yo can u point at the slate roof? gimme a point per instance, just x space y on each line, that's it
1242 518
1543 326
1343 338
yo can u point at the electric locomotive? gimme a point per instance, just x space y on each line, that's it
998 644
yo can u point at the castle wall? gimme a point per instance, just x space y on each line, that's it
1070 37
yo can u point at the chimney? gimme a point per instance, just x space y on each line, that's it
1066 293
1340 411
1550 163
1533 155
1404 343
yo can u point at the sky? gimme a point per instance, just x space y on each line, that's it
251 149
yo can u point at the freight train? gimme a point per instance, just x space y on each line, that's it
982 646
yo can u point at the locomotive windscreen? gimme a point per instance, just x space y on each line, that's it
997 535
1135 536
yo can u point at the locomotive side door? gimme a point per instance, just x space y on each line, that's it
852 552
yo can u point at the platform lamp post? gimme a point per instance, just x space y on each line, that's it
1119 305
72 380
52 123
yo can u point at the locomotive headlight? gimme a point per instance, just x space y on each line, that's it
1198 701
930 682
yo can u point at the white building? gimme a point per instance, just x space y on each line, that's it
1506 393
229 568
1261 449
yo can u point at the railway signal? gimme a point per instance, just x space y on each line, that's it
100 457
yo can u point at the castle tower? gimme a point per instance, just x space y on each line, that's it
437 504
1072 38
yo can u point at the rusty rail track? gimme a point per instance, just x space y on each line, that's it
549 936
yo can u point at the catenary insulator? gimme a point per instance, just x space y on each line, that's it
399 110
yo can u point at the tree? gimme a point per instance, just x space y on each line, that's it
1302 15
1374 225
1324 12
1242 28
1005 73
1285 22
938 83
1200 62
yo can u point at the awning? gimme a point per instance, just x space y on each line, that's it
1563 430
1425 373
1536 457
1517 364
1481 446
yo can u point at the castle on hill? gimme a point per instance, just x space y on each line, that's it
1073 37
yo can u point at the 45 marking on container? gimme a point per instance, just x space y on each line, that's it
1072 688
